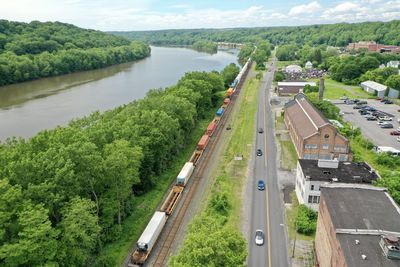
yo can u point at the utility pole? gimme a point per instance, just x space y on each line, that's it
295 236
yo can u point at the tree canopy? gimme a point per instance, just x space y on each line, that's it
35 50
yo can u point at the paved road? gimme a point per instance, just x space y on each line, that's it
267 206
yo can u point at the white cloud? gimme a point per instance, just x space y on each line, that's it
305 9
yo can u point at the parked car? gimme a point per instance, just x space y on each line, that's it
381 122
349 102
259 152
356 100
363 112
259 238
371 118
385 118
379 98
362 102
357 107
261 185
386 125
388 102
395 133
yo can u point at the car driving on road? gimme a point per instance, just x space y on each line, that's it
259 238
261 185
260 130
259 152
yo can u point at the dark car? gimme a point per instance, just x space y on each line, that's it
388 102
259 152
357 107
395 133
261 185
363 112
356 100
386 125
260 130
362 102
371 118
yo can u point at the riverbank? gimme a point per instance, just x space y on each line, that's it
29 107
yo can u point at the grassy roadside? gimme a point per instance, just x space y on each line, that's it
288 155
145 205
222 207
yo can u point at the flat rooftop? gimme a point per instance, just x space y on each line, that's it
368 246
347 172
362 207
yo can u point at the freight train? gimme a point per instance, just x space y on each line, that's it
153 230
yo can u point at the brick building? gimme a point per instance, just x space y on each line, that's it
372 46
313 136
289 88
358 226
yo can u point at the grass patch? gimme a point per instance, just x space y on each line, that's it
291 214
335 90
288 154
145 205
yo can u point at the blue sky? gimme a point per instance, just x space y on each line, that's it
126 15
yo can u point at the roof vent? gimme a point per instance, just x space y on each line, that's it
364 257
335 180
391 246
357 242
328 163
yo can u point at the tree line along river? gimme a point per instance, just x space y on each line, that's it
29 107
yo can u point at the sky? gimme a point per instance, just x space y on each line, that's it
129 15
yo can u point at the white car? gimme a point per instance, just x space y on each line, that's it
259 238
381 122
386 118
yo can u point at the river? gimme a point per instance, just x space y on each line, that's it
29 107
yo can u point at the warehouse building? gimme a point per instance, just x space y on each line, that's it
288 88
374 88
358 225
313 136
312 174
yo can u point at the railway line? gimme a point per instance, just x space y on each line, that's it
199 159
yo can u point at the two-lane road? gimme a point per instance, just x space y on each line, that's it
267 205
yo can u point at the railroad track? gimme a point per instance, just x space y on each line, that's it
162 256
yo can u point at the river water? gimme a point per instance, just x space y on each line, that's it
26 108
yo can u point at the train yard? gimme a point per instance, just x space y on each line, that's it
175 205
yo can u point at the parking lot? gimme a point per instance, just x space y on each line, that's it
370 129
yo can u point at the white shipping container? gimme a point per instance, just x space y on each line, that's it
185 173
152 231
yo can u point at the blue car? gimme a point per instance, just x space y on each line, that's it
261 185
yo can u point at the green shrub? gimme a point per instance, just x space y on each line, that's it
306 220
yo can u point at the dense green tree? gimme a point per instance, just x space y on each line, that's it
205 46
36 243
393 82
229 74
79 231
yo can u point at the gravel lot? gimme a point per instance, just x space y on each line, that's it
370 129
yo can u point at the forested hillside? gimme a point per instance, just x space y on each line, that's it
34 50
333 34
65 192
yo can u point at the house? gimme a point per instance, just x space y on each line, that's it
313 136
374 88
312 174
308 65
293 69
393 64
287 88
358 225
